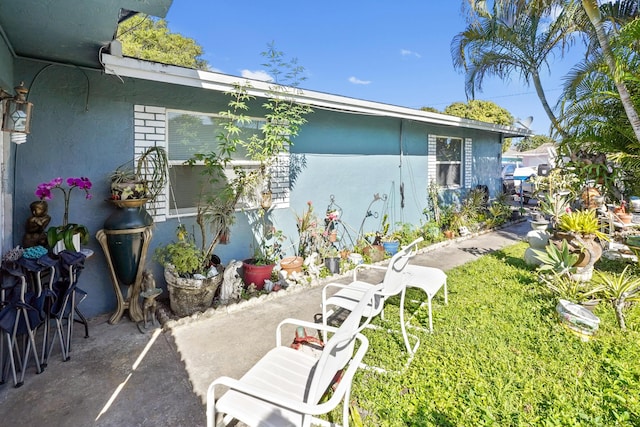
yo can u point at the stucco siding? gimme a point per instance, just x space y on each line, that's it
84 125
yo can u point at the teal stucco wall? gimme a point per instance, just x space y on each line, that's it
83 126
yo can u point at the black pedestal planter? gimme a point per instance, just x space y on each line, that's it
125 239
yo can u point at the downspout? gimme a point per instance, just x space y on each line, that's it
400 164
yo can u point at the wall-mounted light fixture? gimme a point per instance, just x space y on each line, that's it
16 117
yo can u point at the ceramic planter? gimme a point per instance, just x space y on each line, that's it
333 264
256 274
391 247
292 264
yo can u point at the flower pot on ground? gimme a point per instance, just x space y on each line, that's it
332 264
189 295
291 264
191 277
256 274
375 253
391 247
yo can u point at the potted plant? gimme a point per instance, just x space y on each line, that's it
192 278
331 258
267 252
580 229
390 241
143 178
67 236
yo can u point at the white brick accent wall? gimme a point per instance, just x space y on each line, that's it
149 131
468 163
280 181
431 159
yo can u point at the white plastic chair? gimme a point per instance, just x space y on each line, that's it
286 386
348 296
428 279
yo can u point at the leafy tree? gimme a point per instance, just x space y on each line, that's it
617 68
531 142
514 37
146 38
431 109
485 111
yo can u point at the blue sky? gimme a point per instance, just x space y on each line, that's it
391 52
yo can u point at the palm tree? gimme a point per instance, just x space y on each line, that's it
616 68
514 37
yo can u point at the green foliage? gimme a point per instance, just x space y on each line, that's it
584 222
531 142
559 261
618 288
484 111
430 109
184 255
66 233
147 38
499 357
567 288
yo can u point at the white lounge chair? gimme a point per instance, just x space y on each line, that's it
348 296
430 280
286 386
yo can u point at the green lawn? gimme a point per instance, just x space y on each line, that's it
500 357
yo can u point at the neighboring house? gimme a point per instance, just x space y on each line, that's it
544 154
93 110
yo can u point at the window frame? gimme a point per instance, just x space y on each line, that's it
243 204
459 162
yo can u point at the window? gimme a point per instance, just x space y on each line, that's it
189 133
449 161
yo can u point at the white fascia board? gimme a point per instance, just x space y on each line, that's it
146 70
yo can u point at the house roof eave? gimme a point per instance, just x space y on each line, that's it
147 70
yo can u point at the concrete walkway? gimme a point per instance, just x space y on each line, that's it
120 377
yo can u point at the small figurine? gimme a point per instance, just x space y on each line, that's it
36 225
232 284
149 293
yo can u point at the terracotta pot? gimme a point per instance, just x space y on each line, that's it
625 218
333 236
256 274
292 264
448 234
584 256
374 252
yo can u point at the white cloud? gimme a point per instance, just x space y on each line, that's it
407 52
357 81
256 75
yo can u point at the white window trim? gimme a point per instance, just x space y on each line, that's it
467 161
150 128
452 162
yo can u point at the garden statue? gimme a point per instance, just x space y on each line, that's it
232 282
149 293
36 225
312 265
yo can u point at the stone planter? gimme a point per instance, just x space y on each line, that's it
188 296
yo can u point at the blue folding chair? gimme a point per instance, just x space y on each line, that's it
21 314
